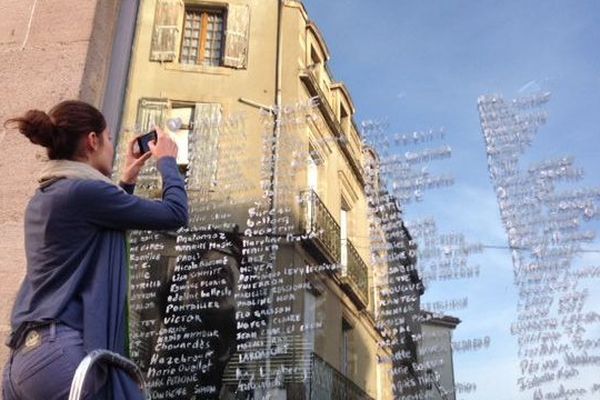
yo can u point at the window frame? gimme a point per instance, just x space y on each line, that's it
175 104
346 347
345 209
204 10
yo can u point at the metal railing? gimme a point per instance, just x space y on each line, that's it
110 359
317 219
357 272
327 383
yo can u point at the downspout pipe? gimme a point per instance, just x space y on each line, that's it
278 101
274 161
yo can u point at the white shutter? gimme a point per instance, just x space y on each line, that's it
168 20
151 111
237 36
204 147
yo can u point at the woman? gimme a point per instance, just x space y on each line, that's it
73 297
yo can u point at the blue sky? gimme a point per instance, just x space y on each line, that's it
421 65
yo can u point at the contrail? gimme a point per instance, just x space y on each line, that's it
528 85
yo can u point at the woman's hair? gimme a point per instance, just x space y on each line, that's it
62 129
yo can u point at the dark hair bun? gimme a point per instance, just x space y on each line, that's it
62 129
37 126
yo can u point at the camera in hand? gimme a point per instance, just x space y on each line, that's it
144 140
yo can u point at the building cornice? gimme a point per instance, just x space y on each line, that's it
443 320
342 87
312 27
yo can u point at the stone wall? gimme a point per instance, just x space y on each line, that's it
51 50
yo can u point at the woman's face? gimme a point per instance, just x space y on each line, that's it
105 153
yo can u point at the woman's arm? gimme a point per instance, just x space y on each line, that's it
128 187
107 206
134 162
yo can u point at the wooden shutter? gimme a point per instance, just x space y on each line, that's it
151 111
168 22
237 33
204 147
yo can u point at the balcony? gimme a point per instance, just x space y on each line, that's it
310 79
317 218
328 383
323 382
354 276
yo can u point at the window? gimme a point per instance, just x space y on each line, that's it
181 136
196 35
315 63
344 119
314 57
197 138
202 37
158 111
316 66
313 161
310 310
313 170
344 211
346 341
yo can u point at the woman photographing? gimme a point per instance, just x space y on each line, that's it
73 298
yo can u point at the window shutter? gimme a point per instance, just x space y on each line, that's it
151 111
204 148
236 36
168 20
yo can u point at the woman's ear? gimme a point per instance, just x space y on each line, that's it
92 142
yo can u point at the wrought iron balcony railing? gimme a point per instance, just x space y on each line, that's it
327 383
317 219
356 275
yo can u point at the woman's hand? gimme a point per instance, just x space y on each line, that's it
164 146
133 163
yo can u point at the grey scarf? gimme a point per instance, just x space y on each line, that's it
72 170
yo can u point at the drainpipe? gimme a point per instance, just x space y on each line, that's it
274 159
278 101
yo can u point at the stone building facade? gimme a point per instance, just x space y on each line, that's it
228 70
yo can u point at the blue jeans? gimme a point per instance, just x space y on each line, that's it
43 366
